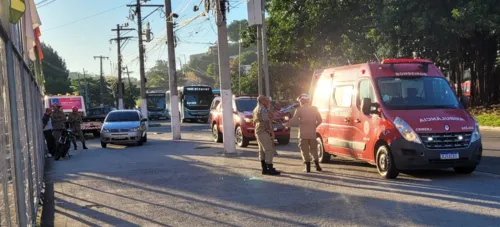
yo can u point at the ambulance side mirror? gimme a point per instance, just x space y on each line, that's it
367 107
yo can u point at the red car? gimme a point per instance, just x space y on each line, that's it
243 125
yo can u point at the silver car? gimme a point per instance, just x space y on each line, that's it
124 127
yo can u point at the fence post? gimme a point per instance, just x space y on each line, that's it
16 139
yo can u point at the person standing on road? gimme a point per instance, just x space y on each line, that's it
47 132
58 119
264 135
75 121
308 118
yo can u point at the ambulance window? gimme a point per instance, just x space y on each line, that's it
343 96
366 91
322 94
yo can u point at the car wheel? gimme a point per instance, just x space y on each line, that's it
96 134
145 138
284 141
385 163
104 145
140 142
217 136
323 156
240 139
465 170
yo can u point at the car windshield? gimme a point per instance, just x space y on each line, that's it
198 98
405 93
246 105
122 116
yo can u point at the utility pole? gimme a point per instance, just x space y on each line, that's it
87 101
129 83
118 40
259 61
102 79
225 78
142 71
172 78
239 61
264 50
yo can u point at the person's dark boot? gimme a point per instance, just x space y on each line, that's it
308 167
318 168
76 148
84 147
265 171
272 171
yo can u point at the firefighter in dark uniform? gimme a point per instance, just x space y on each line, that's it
75 121
264 135
58 119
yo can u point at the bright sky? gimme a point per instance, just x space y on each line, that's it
79 30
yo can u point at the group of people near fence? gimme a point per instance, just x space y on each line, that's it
55 121
306 117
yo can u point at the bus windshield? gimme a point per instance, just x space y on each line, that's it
156 102
198 98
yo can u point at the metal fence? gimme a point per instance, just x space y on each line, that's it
22 145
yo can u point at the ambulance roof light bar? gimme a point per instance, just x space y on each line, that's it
393 61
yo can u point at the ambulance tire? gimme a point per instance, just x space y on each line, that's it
96 134
385 163
324 157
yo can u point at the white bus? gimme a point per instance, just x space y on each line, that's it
194 102
157 105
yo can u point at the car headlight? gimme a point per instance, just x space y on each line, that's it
105 130
134 129
406 131
476 135
248 120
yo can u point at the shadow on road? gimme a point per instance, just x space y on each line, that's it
190 185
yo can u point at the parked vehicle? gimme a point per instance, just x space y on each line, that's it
124 127
94 118
67 102
398 115
243 125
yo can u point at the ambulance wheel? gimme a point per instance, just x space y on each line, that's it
96 134
323 156
385 163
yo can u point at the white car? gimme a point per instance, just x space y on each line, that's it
124 127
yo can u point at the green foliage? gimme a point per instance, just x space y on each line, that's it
234 31
55 72
157 76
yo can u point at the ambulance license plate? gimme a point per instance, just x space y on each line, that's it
449 155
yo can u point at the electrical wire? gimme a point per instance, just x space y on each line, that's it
48 3
85 18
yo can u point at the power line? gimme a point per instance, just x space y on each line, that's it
48 3
85 18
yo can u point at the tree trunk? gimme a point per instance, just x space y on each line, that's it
489 77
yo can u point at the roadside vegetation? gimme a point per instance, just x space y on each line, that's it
487 116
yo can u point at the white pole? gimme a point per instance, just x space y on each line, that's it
174 95
239 61
225 79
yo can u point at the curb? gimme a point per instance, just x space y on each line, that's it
489 128
154 125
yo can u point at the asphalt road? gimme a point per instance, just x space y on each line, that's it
190 183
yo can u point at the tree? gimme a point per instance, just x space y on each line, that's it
158 75
233 29
55 72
